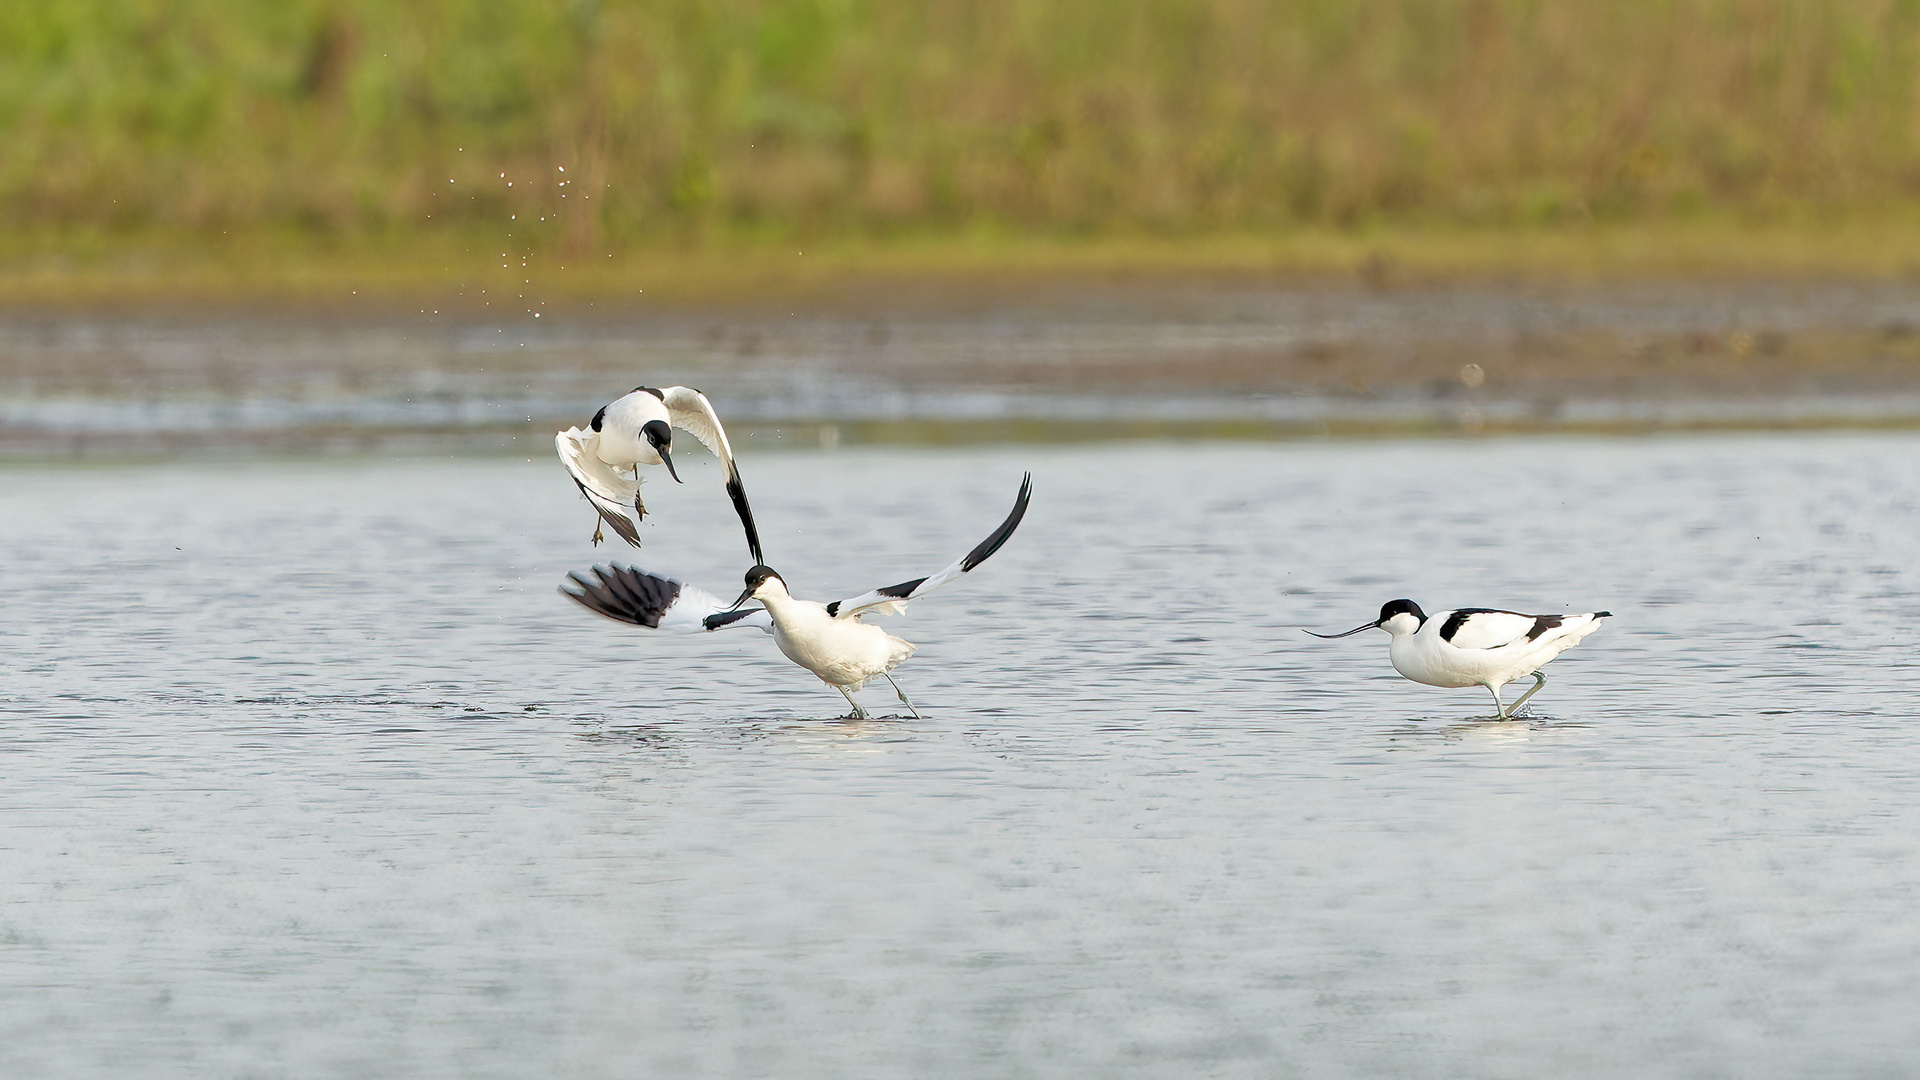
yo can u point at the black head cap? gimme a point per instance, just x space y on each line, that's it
1401 607
660 437
756 576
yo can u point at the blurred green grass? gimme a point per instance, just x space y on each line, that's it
366 137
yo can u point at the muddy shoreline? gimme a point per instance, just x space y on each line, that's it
1216 357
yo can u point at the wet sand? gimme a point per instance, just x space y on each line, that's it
1234 356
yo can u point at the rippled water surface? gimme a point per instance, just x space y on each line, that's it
308 771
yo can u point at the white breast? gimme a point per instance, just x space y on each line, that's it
620 442
843 652
1424 658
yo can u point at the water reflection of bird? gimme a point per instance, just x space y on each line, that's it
638 430
1476 646
829 640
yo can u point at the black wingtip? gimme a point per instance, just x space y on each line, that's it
1603 614
725 618
597 598
999 536
737 491
621 526
625 594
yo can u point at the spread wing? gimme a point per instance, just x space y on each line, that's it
893 599
632 595
691 412
1483 628
615 496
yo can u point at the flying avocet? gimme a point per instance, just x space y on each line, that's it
1476 646
638 430
829 640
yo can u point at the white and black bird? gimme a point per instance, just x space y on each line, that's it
638 430
829 640
1476 646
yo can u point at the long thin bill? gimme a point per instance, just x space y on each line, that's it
667 460
1350 633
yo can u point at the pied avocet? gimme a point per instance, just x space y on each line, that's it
638 430
829 640
1476 646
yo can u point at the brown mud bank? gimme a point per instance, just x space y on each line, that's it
1216 356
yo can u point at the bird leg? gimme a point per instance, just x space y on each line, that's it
597 537
903 695
1539 680
1499 708
858 712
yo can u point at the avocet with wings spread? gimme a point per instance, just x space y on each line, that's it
829 640
638 430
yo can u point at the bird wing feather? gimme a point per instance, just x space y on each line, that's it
892 600
615 496
632 595
690 411
1490 629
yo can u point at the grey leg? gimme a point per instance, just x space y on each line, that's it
1539 680
903 695
1499 709
858 712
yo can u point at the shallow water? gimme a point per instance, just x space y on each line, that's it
309 771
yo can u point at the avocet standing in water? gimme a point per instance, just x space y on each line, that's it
1476 646
638 430
826 639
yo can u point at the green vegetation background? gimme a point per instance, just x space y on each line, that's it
1179 132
